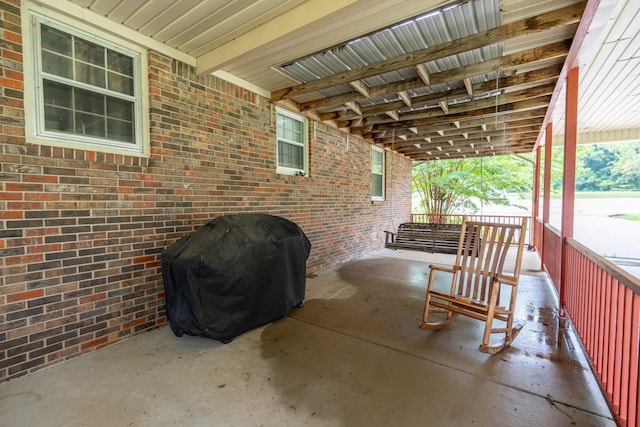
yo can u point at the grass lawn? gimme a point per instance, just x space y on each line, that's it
632 217
607 194
596 195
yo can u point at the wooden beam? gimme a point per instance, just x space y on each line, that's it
393 114
541 75
468 85
434 100
409 145
421 69
485 152
406 98
546 21
499 143
355 107
498 148
512 119
487 112
540 91
461 139
360 87
505 63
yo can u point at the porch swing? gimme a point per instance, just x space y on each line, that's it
482 283
428 237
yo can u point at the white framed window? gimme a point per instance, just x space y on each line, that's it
292 143
377 173
87 90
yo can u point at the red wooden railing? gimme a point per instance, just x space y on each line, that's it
603 303
552 254
537 232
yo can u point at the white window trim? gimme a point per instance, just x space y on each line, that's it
32 15
382 151
293 171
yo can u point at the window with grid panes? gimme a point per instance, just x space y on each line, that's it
377 173
292 146
87 89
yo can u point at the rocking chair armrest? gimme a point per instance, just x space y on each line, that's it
448 269
506 280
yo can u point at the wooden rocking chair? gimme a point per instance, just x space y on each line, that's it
480 288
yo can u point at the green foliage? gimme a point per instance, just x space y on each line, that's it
557 163
602 167
460 185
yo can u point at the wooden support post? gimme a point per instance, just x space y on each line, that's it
535 203
546 205
569 177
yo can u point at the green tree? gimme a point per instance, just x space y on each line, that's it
594 168
460 185
608 167
627 165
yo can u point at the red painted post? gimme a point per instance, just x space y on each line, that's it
632 418
617 363
569 177
535 205
548 151
626 350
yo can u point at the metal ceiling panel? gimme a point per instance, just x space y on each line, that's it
609 88
146 11
200 19
223 31
444 25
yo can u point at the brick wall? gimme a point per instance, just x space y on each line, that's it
81 232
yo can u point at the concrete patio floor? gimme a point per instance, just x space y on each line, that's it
352 356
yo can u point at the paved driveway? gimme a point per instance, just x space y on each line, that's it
596 227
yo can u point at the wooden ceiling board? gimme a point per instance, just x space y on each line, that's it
515 10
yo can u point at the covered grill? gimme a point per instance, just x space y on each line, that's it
235 273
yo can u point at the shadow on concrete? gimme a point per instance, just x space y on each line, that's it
355 348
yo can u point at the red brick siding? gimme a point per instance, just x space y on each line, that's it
81 232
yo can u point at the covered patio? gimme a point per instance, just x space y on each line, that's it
84 221
353 355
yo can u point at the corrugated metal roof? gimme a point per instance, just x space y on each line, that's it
251 39
430 29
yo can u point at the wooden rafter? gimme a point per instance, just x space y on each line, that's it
510 62
494 106
546 21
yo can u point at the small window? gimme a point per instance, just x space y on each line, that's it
292 143
377 173
88 89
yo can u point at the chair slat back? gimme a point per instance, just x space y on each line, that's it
482 254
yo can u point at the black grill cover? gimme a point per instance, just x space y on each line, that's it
234 274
